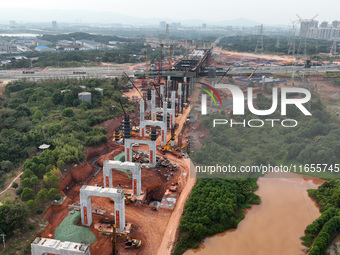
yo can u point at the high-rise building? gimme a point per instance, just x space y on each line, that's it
324 24
162 24
54 24
306 26
176 25
310 29
336 23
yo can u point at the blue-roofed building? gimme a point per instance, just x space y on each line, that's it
43 48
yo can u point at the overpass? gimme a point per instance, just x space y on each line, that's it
195 61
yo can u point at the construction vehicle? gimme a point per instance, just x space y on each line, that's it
130 199
253 72
132 243
167 147
117 135
173 187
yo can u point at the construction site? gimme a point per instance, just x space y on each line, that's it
132 189
129 196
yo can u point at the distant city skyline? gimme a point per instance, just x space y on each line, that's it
214 11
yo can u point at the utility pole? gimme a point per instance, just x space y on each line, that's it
277 45
3 239
333 48
259 44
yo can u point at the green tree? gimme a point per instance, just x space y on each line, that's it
42 196
52 193
27 194
6 165
38 115
50 181
12 216
32 206
68 112
26 183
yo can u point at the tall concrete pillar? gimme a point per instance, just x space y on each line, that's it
179 97
142 113
168 84
141 109
161 94
173 99
86 209
137 183
184 99
148 105
128 151
153 105
161 90
120 213
191 85
165 112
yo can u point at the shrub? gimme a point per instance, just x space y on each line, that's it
19 191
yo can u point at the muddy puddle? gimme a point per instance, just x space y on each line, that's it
275 226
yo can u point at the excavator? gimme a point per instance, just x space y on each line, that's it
167 147
253 72
130 243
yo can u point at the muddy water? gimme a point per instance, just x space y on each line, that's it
275 226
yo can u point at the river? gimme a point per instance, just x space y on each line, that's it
273 227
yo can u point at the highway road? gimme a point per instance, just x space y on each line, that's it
101 72
284 69
6 75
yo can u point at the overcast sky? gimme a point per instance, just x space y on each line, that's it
263 11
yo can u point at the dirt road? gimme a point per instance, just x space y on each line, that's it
171 229
10 185
2 87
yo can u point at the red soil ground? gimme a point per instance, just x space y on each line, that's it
148 225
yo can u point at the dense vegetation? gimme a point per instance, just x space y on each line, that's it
248 44
37 112
322 230
125 53
85 36
214 206
316 139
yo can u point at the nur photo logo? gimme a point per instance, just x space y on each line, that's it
239 102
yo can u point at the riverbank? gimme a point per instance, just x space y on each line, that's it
273 227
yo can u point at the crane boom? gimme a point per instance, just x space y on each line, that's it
159 96
224 75
253 72
122 106
133 84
